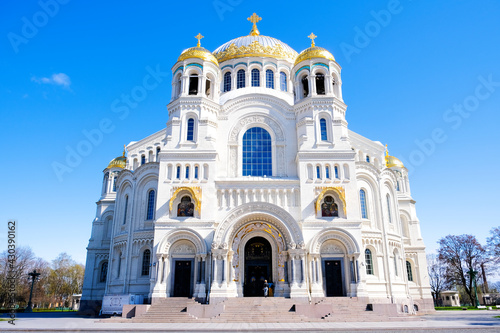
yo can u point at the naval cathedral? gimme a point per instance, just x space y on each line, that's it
257 177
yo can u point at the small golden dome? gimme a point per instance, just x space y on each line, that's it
198 52
391 161
119 162
314 52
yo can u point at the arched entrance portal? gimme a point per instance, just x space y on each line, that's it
258 266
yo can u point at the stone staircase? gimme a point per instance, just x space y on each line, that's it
170 310
268 310
259 310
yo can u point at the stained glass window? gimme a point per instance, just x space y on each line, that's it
283 83
240 79
269 79
255 77
227 82
324 133
257 153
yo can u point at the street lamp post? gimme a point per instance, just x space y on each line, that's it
34 275
473 274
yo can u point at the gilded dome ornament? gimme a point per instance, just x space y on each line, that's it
391 161
254 19
198 52
119 162
314 52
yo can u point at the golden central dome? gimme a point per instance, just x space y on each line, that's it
314 52
198 52
391 161
255 46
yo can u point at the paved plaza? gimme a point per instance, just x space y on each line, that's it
443 321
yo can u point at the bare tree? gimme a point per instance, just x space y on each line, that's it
437 277
493 245
463 256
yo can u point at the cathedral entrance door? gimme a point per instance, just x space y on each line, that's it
333 278
258 266
182 278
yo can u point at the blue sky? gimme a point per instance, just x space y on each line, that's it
421 76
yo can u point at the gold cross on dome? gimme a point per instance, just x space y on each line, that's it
254 19
312 36
199 37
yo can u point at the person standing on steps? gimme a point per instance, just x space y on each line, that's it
266 288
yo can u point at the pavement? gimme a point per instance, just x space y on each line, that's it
441 322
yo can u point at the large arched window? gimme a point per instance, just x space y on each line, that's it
324 132
125 210
240 79
185 207
408 270
190 130
320 84
257 153
105 181
146 257
368 262
396 263
115 177
227 82
104 272
362 200
283 84
329 207
150 214
269 79
389 216
255 77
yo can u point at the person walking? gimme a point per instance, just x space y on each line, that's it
266 288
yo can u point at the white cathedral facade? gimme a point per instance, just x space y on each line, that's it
257 177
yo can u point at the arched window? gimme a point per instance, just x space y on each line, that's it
190 130
318 172
367 158
269 79
158 149
104 272
305 86
327 172
389 216
114 182
187 171
119 264
125 210
320 84
150 212
227 82
196 172
193 85
283 84
336 168
240 79
255 77
143 159
408 270
368 262
105 182
324 133
329 207
257 153
396 263
178 86
362 200
397 185
178 172
185 207
146 257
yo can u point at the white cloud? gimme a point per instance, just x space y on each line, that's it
59 79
